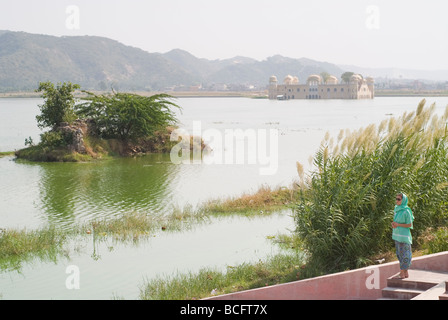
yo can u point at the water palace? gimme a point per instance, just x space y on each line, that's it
316 88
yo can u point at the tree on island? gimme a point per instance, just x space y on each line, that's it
128 118
59 104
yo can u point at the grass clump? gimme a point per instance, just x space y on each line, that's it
50 243
208 282
6 153
136 226
433 241
42 153
344 213
264 201
18 246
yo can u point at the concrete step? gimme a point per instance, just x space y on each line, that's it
401 293
444 296
418 279
432 294
421 285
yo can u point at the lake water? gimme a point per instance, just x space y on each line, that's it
37 194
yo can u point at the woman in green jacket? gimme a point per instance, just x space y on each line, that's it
402 225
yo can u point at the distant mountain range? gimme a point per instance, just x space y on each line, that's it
101 63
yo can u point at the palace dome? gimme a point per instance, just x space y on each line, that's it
332 80
314 78
355 78
288 79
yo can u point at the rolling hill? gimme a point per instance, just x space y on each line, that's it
93 62
98 63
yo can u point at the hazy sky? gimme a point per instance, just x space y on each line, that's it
374 33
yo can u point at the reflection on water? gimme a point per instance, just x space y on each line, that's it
82 191
32 194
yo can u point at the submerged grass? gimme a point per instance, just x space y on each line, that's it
136 226
6 153
18 246
49 244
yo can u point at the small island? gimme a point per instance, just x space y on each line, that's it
99 126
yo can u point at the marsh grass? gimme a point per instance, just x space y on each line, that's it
18 246
49 244
207 282
6 153
345 213
265 200
41 153
138 226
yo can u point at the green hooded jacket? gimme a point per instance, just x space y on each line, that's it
403 215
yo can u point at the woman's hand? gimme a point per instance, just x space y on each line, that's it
395 224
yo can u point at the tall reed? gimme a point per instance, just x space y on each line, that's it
345 214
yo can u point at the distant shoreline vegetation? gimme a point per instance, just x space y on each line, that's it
231 94
88 126
174 94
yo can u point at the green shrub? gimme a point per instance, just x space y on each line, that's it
436 241
128 116
56 139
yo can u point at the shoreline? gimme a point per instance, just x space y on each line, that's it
175 94
398 93
229 94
